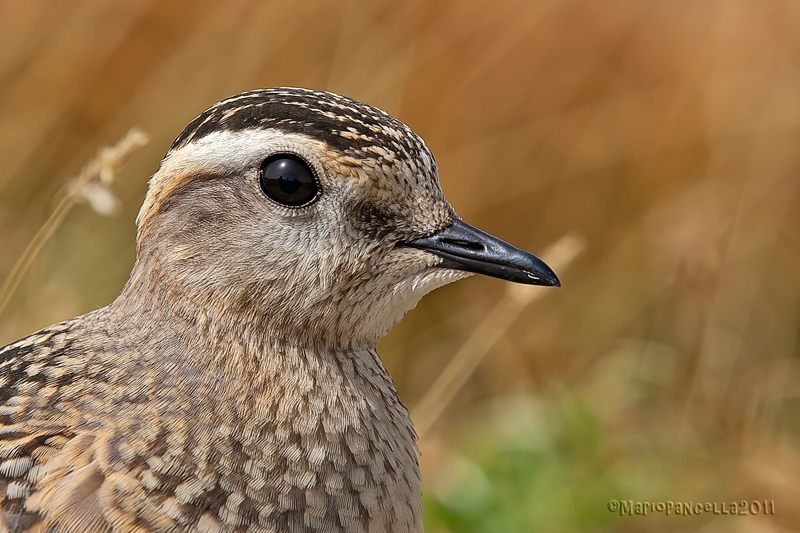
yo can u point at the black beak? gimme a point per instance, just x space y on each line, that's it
465 247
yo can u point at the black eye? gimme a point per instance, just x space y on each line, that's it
288 180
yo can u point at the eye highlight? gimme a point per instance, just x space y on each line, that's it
288 180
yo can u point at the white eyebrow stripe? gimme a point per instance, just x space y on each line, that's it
223 152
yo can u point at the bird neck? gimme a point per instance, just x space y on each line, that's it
338 311
326 413
210 345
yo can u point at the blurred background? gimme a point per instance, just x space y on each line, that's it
665 136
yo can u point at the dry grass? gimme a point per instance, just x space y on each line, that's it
483 338
92 186
664 133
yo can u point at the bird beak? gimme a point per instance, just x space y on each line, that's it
465 247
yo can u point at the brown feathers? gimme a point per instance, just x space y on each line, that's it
234 386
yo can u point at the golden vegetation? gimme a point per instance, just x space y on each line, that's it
664 134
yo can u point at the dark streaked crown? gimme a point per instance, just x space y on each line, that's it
346 125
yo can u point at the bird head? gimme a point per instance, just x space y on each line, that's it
308 215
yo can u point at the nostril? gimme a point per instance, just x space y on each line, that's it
469 245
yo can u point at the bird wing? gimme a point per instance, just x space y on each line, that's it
44 458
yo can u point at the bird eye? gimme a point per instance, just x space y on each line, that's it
287 180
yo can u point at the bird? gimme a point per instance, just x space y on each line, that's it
234 384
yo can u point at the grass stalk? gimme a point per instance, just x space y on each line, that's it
90 185
559 255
